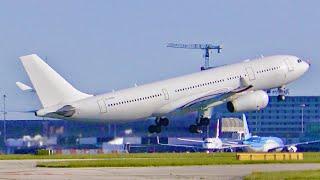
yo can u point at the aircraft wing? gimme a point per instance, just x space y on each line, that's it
211 98
215 98
190 140
230 145
296 144
302 143
197 147
225 146
171 145
181 145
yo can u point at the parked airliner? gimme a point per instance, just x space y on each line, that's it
212 144
267 144
240 85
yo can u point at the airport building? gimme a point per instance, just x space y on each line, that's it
296 119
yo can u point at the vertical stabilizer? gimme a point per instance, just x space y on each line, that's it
218 129
51 88
247 134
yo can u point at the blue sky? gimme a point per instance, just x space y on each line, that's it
103 45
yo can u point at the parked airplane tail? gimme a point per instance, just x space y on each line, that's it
51 88
218 129
247 133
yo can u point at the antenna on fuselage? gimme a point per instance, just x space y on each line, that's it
206 47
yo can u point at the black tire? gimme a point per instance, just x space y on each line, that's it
164 121
193 128
158 129
281 98
152 128
204 121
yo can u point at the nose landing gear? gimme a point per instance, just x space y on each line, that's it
281 97
282 91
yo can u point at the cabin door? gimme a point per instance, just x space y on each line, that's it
166 94
102 106
250 73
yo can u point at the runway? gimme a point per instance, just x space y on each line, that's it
25 169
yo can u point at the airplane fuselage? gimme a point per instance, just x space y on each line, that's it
163 97
263 144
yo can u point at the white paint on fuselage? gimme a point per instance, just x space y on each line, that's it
162 97
212 144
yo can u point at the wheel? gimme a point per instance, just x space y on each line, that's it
281 98
194 128
158 129
204 121
152 128
164 121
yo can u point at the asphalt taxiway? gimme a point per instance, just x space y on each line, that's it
26 169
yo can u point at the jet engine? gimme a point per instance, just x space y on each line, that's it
255 100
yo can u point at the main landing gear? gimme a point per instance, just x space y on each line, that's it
196 128
156 128
203 119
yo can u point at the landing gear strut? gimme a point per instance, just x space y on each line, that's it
157 127
282 92
196 128
204 121
162 121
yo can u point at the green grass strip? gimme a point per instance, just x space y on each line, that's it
284 175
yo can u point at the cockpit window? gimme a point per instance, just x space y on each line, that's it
299 60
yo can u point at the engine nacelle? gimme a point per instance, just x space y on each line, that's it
292 149
255 100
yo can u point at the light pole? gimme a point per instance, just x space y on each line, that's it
4 120
302 108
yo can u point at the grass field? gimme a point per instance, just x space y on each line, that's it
308 174
162 159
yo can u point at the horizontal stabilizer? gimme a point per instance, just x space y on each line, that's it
24 87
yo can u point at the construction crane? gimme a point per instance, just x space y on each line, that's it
206 47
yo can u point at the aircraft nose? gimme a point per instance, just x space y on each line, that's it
308 62
306 65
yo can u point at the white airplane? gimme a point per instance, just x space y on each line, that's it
239 85
267 144
212 144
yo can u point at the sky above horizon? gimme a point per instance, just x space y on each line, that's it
102 45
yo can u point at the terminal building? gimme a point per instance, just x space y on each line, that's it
295 119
